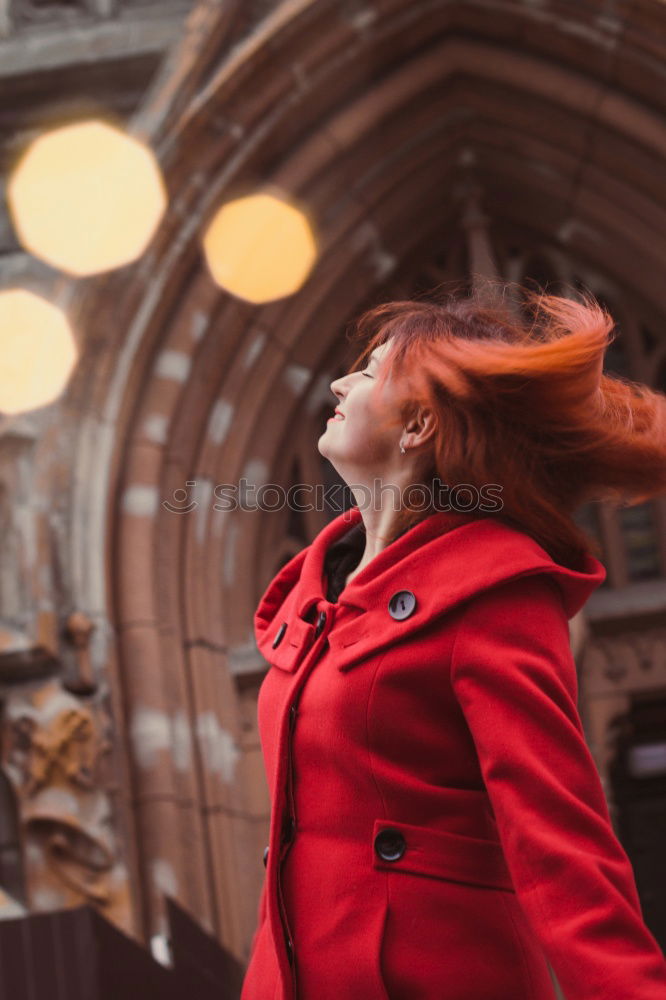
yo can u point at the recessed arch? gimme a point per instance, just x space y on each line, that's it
379 120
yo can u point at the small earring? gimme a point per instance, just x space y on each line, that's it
402 449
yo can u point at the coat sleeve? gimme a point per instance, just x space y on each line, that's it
514 677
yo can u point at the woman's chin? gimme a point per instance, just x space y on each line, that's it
326 448
324 437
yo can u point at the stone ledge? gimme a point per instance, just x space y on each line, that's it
640 598
43 47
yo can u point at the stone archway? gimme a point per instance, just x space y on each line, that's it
376 116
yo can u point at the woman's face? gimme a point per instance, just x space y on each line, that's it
357 436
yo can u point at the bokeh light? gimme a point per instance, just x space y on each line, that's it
86 198
37 351
260 247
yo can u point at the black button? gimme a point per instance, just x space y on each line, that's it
321 621
279 635
390 845
402 604
265 856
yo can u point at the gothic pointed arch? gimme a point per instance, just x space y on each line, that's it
431 142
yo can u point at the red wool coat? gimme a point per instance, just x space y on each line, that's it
438 827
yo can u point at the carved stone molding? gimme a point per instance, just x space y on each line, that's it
78 630
28 642
54 751
614 668
626 662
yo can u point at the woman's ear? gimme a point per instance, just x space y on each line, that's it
421 427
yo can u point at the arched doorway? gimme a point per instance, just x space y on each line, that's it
431 142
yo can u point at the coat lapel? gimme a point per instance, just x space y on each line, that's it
443 561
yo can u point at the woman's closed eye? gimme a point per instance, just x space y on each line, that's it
366 373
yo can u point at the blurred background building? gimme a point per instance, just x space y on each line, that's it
420 142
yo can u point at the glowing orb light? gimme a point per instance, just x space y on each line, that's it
260 247
86 198
37 351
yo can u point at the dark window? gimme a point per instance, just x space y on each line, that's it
640 538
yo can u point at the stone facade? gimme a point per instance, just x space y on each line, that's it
432 142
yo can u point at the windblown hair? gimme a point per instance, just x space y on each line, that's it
521 400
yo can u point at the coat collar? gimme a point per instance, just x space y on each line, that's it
443 560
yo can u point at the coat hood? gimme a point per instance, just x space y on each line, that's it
444 560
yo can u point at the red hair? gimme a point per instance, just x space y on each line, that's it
521 401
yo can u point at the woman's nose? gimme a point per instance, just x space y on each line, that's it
337 387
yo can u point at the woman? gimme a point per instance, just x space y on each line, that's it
438 828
